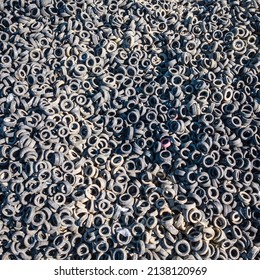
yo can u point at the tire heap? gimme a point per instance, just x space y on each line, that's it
129 129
